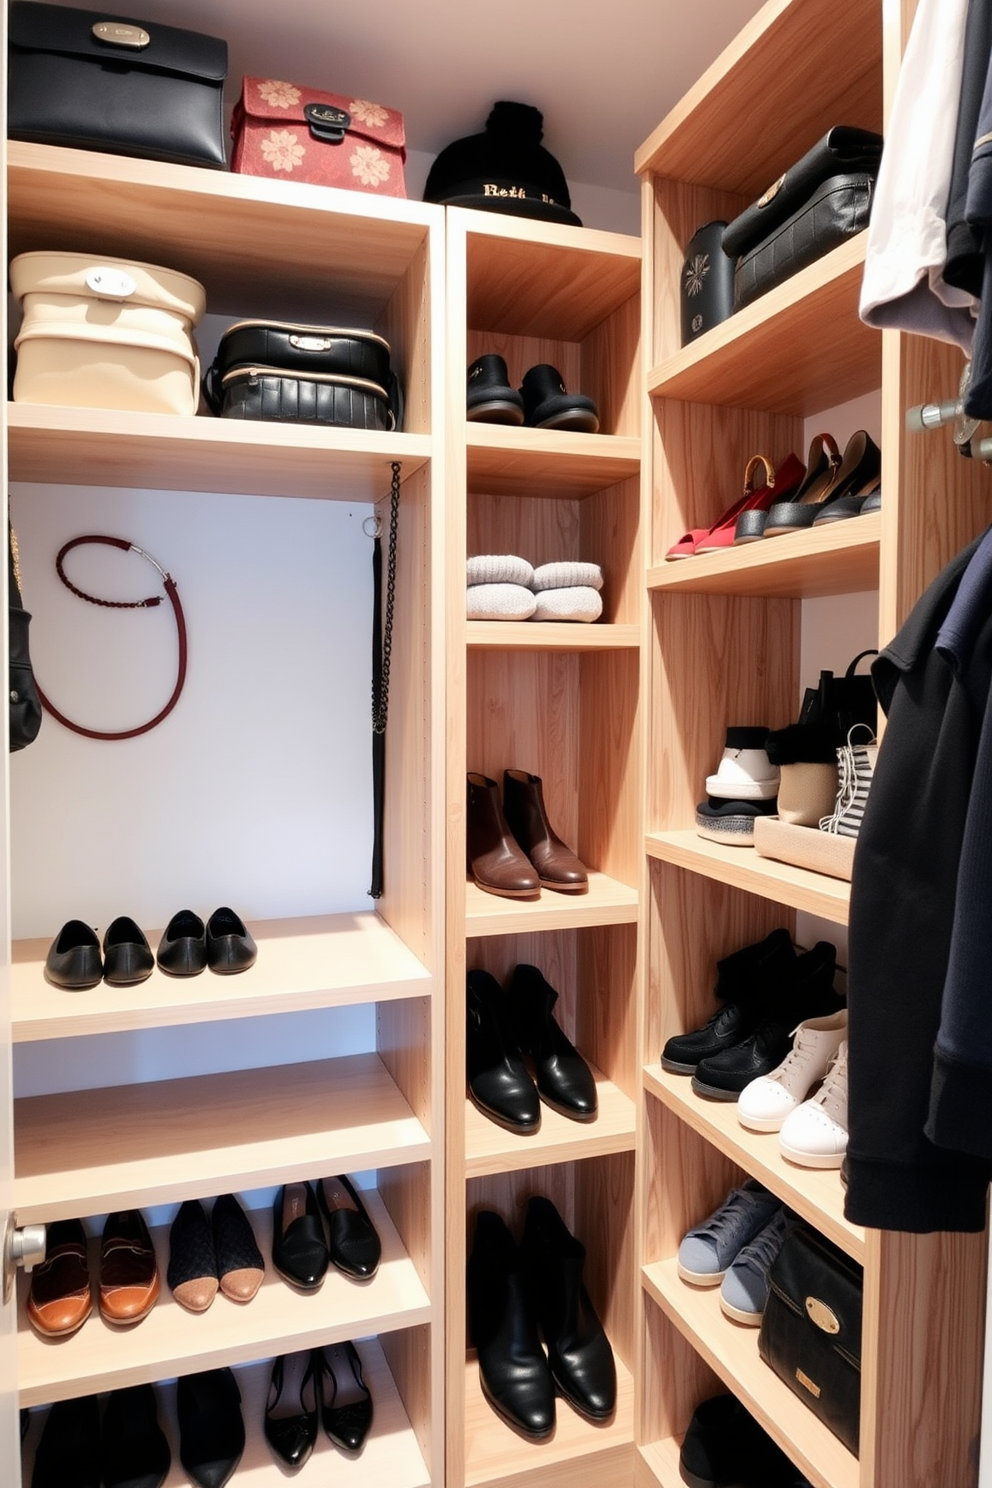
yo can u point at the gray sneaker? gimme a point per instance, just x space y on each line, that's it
744 1290
708 1249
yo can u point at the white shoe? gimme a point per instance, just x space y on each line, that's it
764 1104
745 772
815 1134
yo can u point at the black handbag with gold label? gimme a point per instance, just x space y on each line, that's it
811 1329
706 288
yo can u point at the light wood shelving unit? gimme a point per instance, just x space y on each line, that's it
562 701
380 264
723 647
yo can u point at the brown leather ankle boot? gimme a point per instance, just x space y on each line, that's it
557 866
494 860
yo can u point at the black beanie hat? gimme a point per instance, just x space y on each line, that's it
507 169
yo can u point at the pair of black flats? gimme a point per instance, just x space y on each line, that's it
765 990
326 1384
130 1449
208 1256
76 962
541 401
519 1295
504 1027
302 1251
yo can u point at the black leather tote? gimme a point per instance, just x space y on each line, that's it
838 209
101 82
843 150
308 374
25 704
836 704
811 1329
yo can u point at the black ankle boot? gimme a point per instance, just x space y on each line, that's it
498 1082
579 1354
512 1368
564 1080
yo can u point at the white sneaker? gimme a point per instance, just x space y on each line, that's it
764 1104
745 772
815 1134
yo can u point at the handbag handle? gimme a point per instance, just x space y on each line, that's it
852 668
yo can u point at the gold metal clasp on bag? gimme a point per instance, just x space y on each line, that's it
116 33
821 1315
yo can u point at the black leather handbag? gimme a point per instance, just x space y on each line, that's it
101 82
307 374
836 704
811 1329
837 210
25 704
706 288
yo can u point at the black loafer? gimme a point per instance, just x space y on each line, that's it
548 406
230 948
299 1251
354 1246
211 1426
182 951
127 956
74 961
490 398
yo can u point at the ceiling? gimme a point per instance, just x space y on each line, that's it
602 74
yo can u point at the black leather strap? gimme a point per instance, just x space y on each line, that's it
382 644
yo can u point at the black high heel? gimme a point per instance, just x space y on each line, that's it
345 1400
291 1423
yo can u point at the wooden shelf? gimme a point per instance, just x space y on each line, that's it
226 230
840 558
768 97
732 1351
578 1455
607 903
157 451
489 1149
531 278
814 1193
171 1341
742 868
660 1459
313 962
391 1453
92 1151
795 350
550 635
557 464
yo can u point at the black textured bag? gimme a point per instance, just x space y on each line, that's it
25 704
306 374
837 210
706 287
843 150
836 704
102 82
811 1330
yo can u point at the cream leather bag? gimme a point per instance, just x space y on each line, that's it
106 333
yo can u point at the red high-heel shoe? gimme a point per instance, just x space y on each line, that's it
690 542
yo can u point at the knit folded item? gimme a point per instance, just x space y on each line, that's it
501 602
578 602
567 576
500 568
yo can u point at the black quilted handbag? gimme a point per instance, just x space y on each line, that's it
304 374
837 210
811 1329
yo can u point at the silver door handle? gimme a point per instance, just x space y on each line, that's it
24 1246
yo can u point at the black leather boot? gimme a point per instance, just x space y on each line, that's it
564 1080
498 1082
745 981
579 1354
512 1367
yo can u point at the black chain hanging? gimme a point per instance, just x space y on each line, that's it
382 647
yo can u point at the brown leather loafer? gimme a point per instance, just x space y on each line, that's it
557 866
59 1299
129 1281
495 861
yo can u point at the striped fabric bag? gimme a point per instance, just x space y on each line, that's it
855 767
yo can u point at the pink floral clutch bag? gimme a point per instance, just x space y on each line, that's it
294 133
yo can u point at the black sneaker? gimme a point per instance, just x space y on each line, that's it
808 993
742 978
